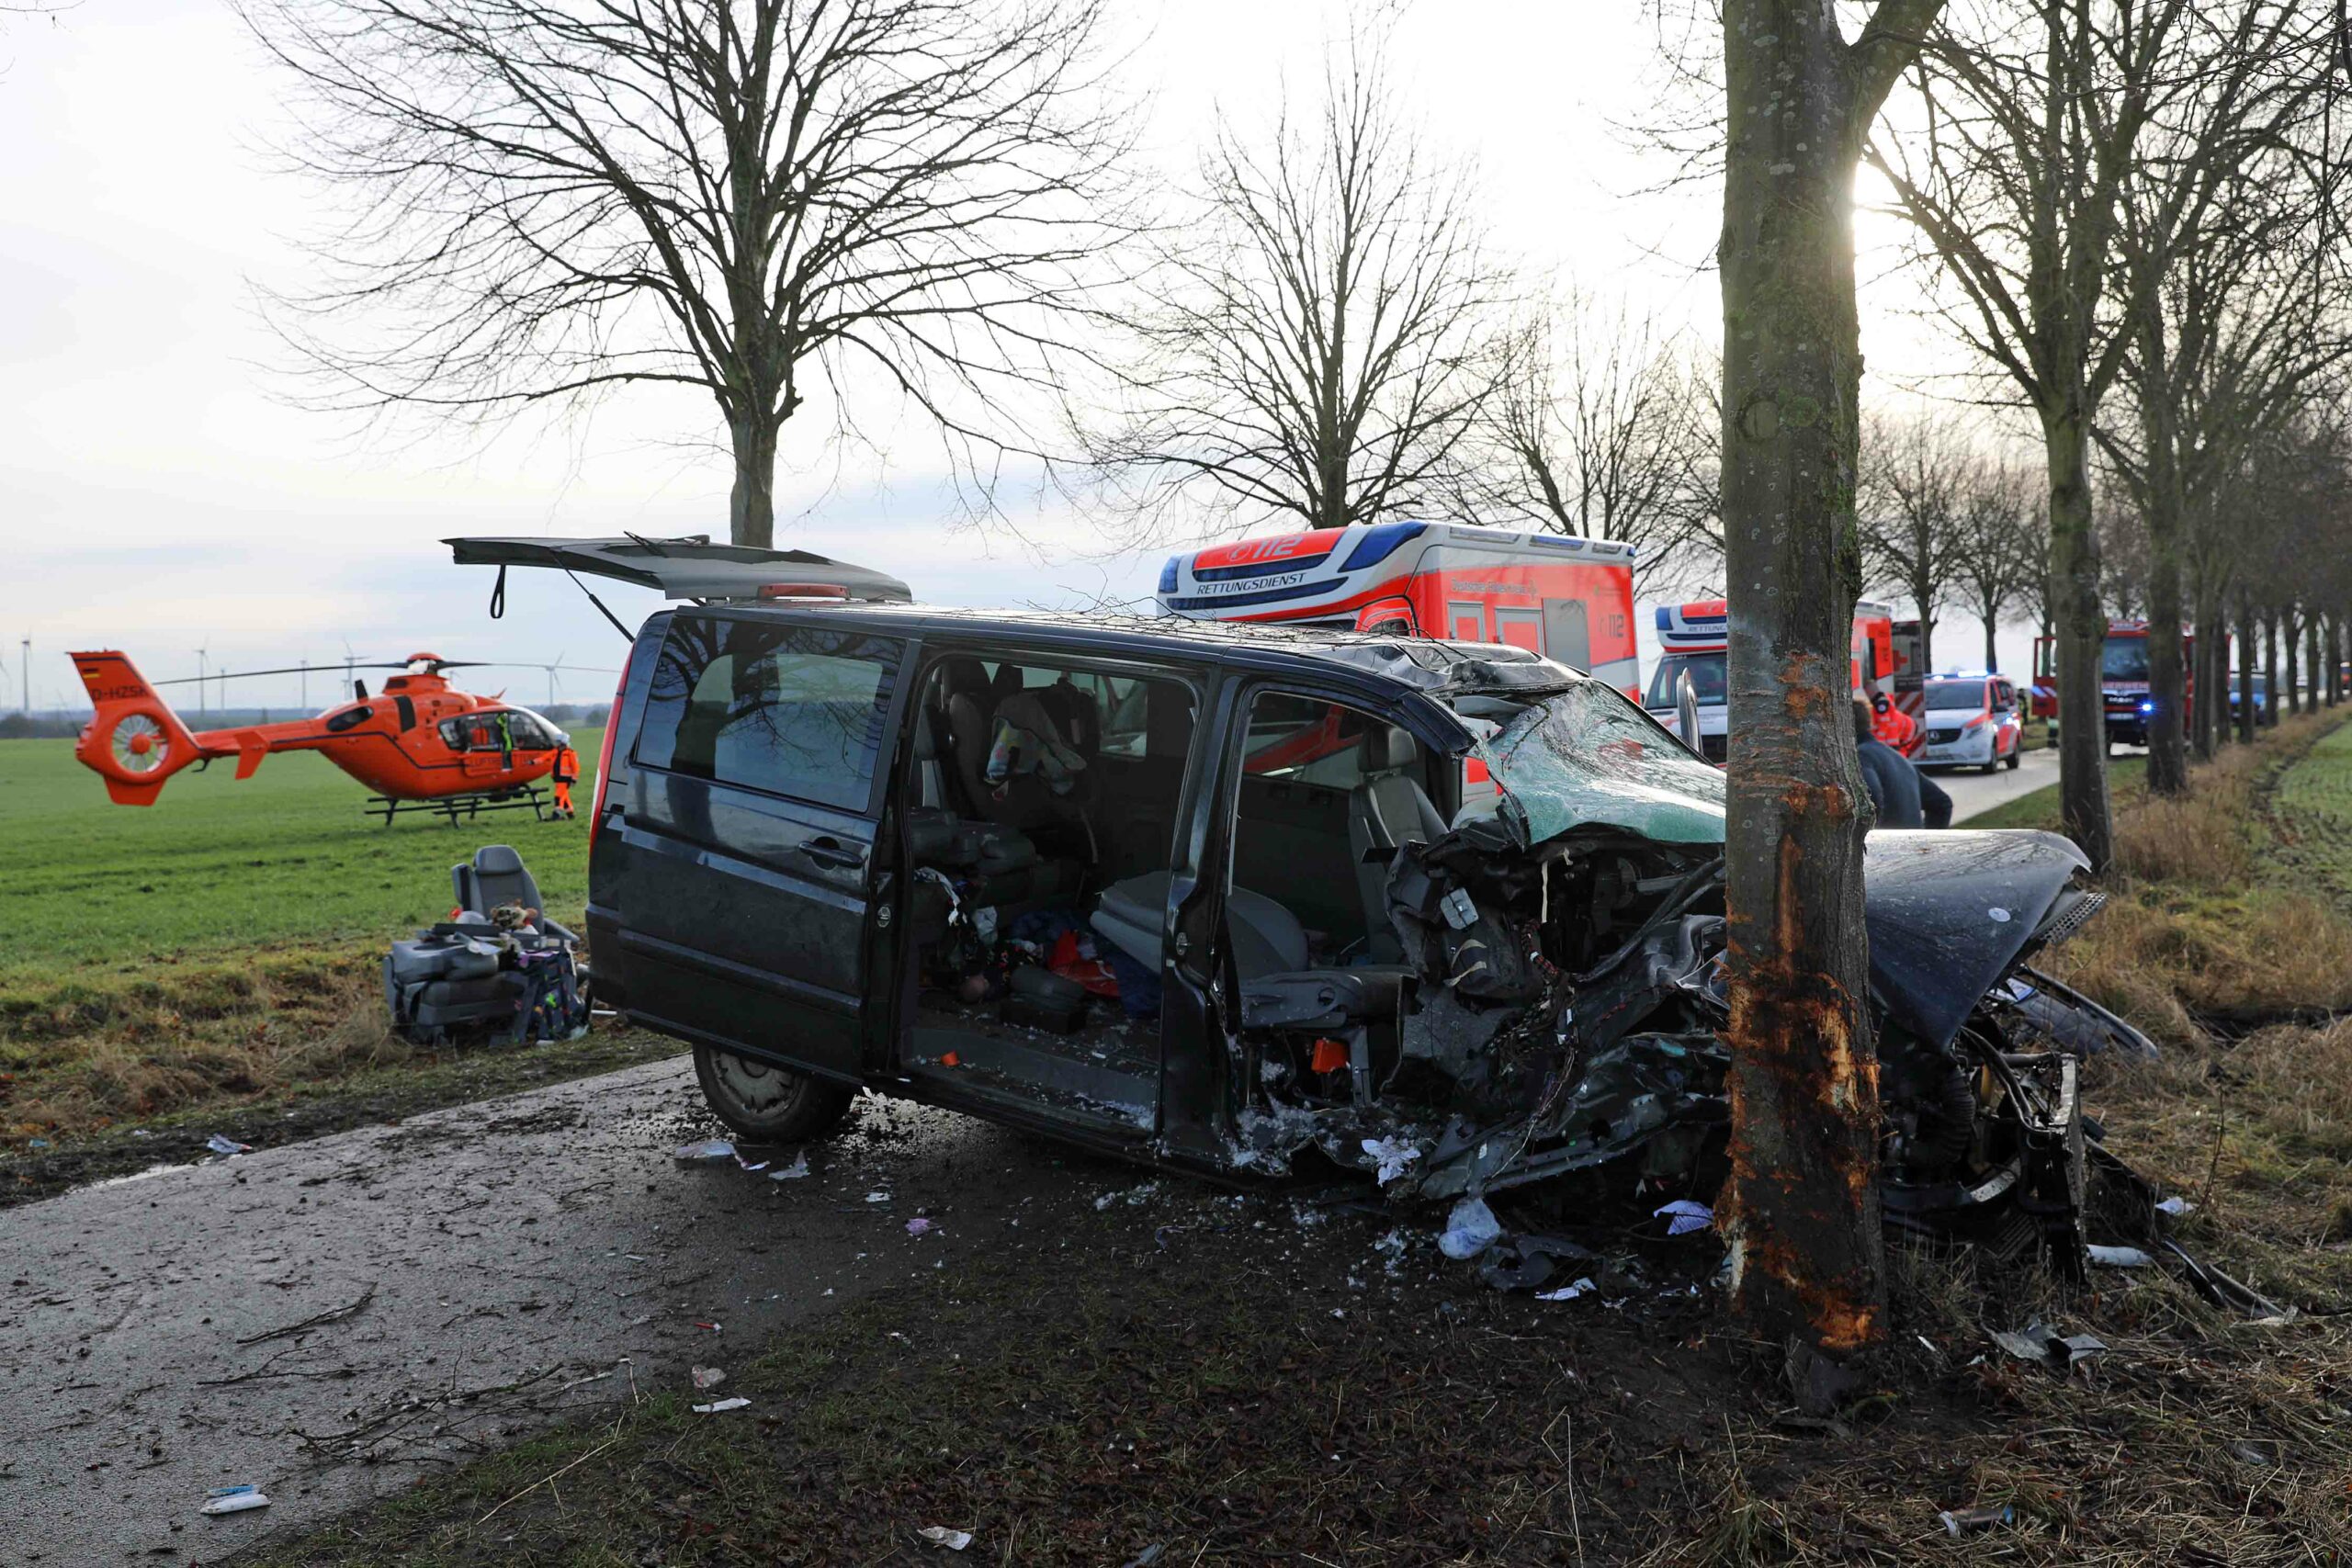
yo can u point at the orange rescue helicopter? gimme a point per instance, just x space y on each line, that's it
420 743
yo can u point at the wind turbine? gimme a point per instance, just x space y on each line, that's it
200 676
552 683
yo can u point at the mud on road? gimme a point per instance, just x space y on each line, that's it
332 1320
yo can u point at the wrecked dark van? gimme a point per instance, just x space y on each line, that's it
1253 902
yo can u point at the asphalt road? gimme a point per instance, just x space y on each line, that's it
1972 792
330 1320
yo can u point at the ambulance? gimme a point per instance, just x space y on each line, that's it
1695 636
1570 600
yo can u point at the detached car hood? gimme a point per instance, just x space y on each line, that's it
1949 911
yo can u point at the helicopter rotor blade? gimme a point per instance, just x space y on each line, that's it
288 670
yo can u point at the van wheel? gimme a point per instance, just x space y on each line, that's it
767 1104
2016 758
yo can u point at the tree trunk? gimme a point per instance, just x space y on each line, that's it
1992 653
2311 641
2082 629
751 511
1800 1212
2168 679
2202 687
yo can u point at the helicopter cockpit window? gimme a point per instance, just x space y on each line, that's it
349 718
507 729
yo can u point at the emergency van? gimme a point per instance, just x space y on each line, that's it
1570 600
1696 637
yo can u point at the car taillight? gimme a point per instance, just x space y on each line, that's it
604 752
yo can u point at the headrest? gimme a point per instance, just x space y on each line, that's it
1387 749
964 677
497 859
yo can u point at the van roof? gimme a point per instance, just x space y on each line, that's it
1419 663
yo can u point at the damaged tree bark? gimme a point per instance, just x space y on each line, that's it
1800 1211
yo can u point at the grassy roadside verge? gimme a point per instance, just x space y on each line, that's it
1215 1378
210 963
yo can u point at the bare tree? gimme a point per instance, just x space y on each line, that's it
1999 545
1601 434
2228 267
761 198
1799 1209
2031 115
1917 476
1322 338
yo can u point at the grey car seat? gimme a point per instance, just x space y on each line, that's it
1267 937
497 875
1386 809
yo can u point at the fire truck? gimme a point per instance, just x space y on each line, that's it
1695 636
1570 600
2123 679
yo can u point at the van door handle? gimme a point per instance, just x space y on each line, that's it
832 851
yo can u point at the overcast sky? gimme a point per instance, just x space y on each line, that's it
155 496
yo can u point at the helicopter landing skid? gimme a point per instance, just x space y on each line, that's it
459 809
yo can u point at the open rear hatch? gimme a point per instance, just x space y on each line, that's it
689 567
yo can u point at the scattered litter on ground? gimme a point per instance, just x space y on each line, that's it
1470 1229
713 1409
233 1500
1682 1216
1958 1521
940 1535
1146 1557
220 1145
712 1326
917 1225
2040 1342
793 1172
877 1197
2118 1257
1529 1262
710 1151
747 1165
1393 1155
1566 1293
2176 1206
1132 1196
232 1491
706 1378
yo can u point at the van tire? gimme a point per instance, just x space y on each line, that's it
764 1103
2017 759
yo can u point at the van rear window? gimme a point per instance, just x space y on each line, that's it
791 710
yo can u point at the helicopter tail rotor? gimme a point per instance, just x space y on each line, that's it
134 742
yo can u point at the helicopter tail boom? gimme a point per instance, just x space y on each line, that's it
133 740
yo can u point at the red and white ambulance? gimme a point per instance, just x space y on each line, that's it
1570 600
1696 636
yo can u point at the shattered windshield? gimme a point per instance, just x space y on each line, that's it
1584 756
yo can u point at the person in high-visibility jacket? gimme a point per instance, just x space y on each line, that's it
1891 724
567 773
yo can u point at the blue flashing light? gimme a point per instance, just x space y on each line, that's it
1168 574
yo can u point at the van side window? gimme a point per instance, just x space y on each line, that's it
793 710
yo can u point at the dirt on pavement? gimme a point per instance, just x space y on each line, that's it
332 1320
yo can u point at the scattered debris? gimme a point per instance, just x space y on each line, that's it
1391 1156
1567 1292
918 1227
1682 1216
717 1405
877 1197
711 1151
1147 1556
2118 1257
1470 1229
1958 1521
747 1165
220 1144
2176 1206
1132 1196
706 1378
233 1500
2040 1342
1529 1262
940 1535
712 1326
316 1320
793 1172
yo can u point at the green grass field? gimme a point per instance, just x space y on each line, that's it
218 867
